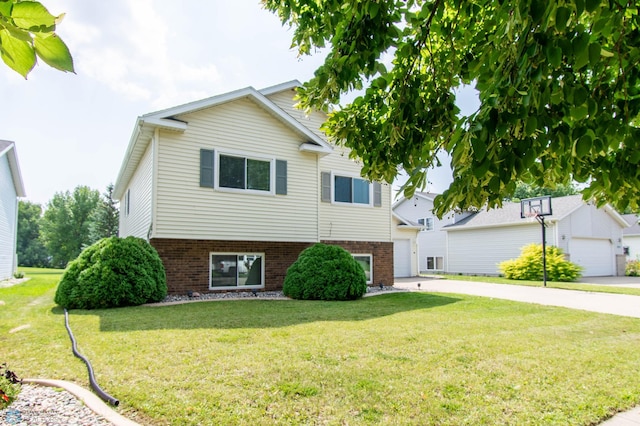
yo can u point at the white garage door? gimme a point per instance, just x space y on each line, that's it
401 258
595 256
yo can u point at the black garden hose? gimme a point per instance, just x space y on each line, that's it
92 380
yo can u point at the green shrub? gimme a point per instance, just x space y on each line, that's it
529 265
113 272
633 268
325 272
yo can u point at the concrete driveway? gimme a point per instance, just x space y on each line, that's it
615 281
607 303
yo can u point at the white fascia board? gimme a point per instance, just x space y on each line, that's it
616 216
122 180
166 124
310 147
451 228
280 87
14 167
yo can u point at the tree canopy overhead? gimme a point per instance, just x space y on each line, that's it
558 84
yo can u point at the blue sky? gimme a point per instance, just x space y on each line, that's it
133 57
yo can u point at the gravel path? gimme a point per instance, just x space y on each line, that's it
47 406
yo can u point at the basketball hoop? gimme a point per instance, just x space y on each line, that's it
538 208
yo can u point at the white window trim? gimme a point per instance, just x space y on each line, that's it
435 263
424 226
370 256
237 287
349 175
234 153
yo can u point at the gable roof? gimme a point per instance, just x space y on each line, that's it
406 223
167 119
429 196
509 214
634 229
8 148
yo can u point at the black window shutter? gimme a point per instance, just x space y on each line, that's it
325 194
281 177
207 158
377 194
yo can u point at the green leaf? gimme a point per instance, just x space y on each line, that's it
594 53
32 14
17 54
52 50
562 17
554 56
583 146
580 95
592 5
579 112
531 125
373 9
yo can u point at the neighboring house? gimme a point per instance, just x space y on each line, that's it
405 246
589 236
230 189
11 188
631 237
427 250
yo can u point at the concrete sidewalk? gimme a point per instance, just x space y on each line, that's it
606 303
615 304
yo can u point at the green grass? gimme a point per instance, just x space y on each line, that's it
550 284
399 358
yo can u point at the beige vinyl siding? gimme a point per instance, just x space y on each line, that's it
479 251
186 210
353 222
138 222
312 121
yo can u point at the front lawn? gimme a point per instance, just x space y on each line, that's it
400 358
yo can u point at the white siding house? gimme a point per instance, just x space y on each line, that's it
11 188
631 238
589 236
431 241
242 179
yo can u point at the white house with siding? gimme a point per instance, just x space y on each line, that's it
231 188
589 236
631 237
426 251
11 189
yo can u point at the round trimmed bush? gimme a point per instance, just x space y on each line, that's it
529 265
113 272
325 272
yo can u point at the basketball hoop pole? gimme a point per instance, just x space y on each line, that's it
544 249
538 207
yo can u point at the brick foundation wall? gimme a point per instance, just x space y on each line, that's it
186 262
382 257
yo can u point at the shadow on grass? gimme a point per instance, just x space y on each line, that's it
253 314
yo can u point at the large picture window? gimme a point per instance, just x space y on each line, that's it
351 190
365 260
236 270
244 173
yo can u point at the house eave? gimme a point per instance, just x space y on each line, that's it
167 119
316 149
14 168
458 228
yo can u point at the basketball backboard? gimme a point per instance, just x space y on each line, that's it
534 207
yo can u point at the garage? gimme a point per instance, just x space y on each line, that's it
594 255
401 258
